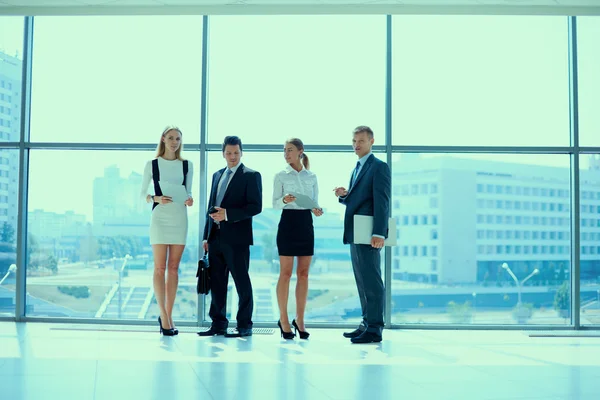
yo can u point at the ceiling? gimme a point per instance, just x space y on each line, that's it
230 7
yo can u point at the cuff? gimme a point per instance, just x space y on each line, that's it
379 236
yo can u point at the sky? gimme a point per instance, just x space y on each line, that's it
456 81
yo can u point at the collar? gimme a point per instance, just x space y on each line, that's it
234 169
364 158
290 170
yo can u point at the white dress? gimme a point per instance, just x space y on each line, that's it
169 224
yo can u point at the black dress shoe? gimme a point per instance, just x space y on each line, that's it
367 337
353 334
239 332
212 332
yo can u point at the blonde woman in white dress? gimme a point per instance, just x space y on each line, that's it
169 223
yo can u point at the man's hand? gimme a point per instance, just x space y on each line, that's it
340 191
189 202
205 245
317 211
377 242
219 215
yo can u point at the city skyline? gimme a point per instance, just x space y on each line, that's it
79 205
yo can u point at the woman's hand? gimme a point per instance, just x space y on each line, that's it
317 211
189 202
288 198
163 199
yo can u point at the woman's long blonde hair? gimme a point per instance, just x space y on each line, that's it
160 149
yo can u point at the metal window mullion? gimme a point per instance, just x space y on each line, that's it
100 146
319 325
388 150
575 177
484 149
20 296
203 195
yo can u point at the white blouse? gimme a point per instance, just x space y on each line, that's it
171 171
290 180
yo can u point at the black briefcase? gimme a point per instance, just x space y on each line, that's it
203 275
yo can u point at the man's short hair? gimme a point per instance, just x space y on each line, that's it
232 141
365 129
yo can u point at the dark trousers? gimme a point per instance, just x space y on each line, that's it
366 262
224 258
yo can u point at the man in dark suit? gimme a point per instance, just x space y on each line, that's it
368 194
236 195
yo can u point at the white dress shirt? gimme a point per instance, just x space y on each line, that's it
289 180
362 162
233 171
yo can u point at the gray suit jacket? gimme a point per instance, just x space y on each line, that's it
370 195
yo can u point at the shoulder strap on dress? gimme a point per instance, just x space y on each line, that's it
156 178
185 171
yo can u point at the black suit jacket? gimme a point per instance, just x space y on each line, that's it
370 195
242 201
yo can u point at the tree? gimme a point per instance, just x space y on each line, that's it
119 246
52 264
33 247
562 300
105 248
131 245
7 233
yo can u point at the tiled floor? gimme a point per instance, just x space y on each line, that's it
45 361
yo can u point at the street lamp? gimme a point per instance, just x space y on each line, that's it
12 268
519 284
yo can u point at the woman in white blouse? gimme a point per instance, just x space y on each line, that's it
295 234
169 224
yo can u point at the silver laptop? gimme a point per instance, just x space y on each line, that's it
363 230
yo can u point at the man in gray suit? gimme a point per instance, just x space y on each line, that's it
368 194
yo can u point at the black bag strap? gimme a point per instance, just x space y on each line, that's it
185 171
156 178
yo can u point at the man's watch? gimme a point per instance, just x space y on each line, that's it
152 197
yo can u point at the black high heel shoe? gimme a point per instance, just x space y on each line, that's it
175 331
303 334
165 332
284 334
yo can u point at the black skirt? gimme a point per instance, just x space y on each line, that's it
296 234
